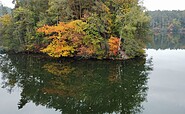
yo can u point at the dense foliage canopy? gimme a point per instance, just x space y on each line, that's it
76 28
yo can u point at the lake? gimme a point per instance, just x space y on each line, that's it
34 84
166 82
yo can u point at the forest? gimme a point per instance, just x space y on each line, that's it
101 29
168 21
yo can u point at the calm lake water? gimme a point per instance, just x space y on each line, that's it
32 84
166 82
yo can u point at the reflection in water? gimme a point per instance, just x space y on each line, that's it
168 40
85 86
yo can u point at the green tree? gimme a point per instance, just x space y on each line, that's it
123 19
6 33
24 27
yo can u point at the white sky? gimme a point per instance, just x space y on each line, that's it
164 4
7 3
149 4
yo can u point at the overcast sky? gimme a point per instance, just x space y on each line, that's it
164 4
7 3
149 4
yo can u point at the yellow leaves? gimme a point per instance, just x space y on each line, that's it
113 45
65 38
58 48
70 39
5 20
61 27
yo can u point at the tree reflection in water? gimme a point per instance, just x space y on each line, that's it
166 40
72 87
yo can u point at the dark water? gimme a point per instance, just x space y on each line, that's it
33 84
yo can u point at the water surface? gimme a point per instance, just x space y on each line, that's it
35 84
166 84
39 85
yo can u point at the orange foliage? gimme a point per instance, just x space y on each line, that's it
66 38
113 45
61 27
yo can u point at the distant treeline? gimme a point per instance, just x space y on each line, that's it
167 21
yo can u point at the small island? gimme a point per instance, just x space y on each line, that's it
100 29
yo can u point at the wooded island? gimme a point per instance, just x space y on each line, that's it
76 28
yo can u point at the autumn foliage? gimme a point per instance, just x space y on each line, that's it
74 39
114 43
69 39
76 28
